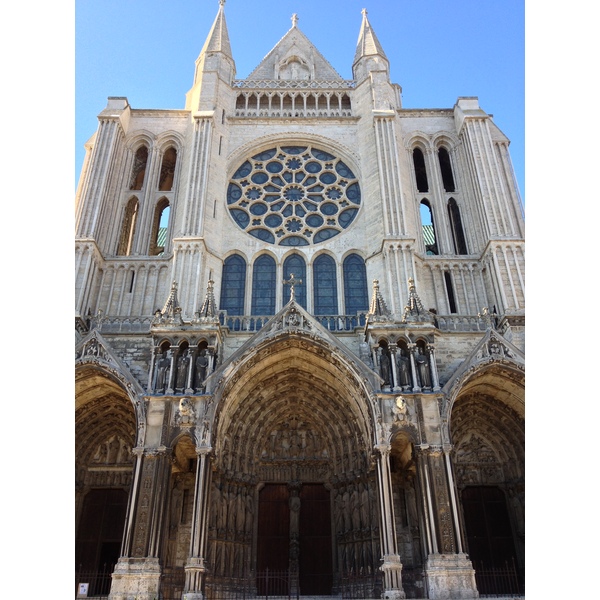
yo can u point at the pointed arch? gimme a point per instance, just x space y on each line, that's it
167 170
356 292
325 285
263 286
233 285
128 227
420 170
428 228
295 264
160 225
138 172
456 226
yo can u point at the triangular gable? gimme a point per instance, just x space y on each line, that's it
293 319
492 347
95 350
294 57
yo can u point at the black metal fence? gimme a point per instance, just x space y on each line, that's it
96 583
507 580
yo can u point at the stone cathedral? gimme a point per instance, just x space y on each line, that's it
299 326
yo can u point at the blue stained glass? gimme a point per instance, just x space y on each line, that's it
353 193
325 234
233 285
277 181
309 205
273 221
253 193
287 211
293 240
288 176
295 264
265 155
316 188
271 188
328 208
263 234
277 206
293 164
243 171
293 194
263 286
355 284
241 217
309 181
325 285
343 170
234 193
328 178
274 167
347 216
298 177
258 208
315 198
313 167
314 220
294 149
299 211
320 155
260 178
334 194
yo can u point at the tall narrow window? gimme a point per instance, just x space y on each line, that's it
420 170
446 169
159 228
167 170
458 235
263 286
139 168
325 286
450 291
233 285
429 237
295 264
356 294
128 227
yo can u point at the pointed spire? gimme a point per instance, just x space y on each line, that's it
414 311
208 310
378 309
368 44
171 312
218 37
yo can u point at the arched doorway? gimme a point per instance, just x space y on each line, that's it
488 435
105 429
293 487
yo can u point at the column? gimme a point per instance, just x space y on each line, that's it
434 373
449 572
195 567
392 566
394 384
170 385
412 348
138 571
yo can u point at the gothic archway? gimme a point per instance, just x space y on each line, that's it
293 428
487 428
105 428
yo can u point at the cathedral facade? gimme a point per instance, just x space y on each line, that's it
299 339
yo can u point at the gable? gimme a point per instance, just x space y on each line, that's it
294 58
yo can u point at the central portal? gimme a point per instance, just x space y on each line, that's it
294 535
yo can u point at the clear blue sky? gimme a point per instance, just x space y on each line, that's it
438 50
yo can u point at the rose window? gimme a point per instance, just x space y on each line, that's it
293 196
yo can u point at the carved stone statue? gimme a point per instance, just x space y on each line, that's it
424 373
161 379
186 413
183 365
201 369
384 366
404 377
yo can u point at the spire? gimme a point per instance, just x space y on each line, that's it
208 310
414 311
368 44
171 312
378 311
218 37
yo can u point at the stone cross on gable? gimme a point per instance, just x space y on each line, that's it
292 281
294 20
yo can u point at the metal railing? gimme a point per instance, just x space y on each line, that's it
249 323
506 580
97 582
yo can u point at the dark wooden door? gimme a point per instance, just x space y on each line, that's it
315 560
273 544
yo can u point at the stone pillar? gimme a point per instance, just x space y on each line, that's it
449 572
434 374
394 384
412 348
392 566
170 385
137 574
195 567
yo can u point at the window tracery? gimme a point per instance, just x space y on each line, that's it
293 196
